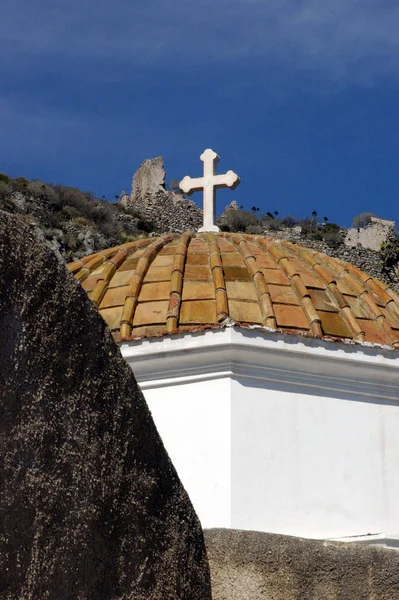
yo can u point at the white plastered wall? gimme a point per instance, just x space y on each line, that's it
193 420
278 434
325 467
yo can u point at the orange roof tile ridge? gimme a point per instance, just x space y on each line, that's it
97 294
332 268
368 308
87 264
393 304
374 286
379 318
111 266
90 266
366 296
135 244
136 282
392 294
75 266
285 253
91 259
322 270
359 281
262 289
345 274
219 283
176 281
83 267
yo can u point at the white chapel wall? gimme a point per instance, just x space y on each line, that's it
313 465
286 435
193 420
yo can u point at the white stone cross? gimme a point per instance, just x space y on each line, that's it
209 182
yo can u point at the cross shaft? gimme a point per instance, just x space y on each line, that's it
209 183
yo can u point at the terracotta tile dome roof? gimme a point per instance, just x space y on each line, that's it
177 283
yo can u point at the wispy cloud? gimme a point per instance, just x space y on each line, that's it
344 38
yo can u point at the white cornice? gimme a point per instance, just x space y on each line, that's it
290 362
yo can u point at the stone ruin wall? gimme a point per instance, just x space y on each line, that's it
166 209
376 233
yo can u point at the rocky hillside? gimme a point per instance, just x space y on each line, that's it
74 223
373 246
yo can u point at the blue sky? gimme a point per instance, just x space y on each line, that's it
299 97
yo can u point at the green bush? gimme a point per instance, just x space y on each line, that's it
124 237
86 223
389 253
266 216
41 191
239 220
54 234
55 207
289 221
103 212
20 183
69 212
331 234
5 191
315 235
310 228
254 229
76 198
272 224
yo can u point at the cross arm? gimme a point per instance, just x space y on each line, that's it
188 184
229 179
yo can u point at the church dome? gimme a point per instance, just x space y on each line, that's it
180 283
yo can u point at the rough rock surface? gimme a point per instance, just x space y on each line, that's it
264 566
91 507
149 179
366 259
167 210
72 222
232 206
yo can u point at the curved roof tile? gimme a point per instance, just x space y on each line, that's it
176 283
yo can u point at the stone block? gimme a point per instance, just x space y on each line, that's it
264 566
149 179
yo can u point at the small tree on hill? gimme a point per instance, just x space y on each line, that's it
362 220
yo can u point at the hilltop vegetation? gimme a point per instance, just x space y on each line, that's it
311 227
75 223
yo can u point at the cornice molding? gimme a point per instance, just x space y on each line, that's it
269 359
